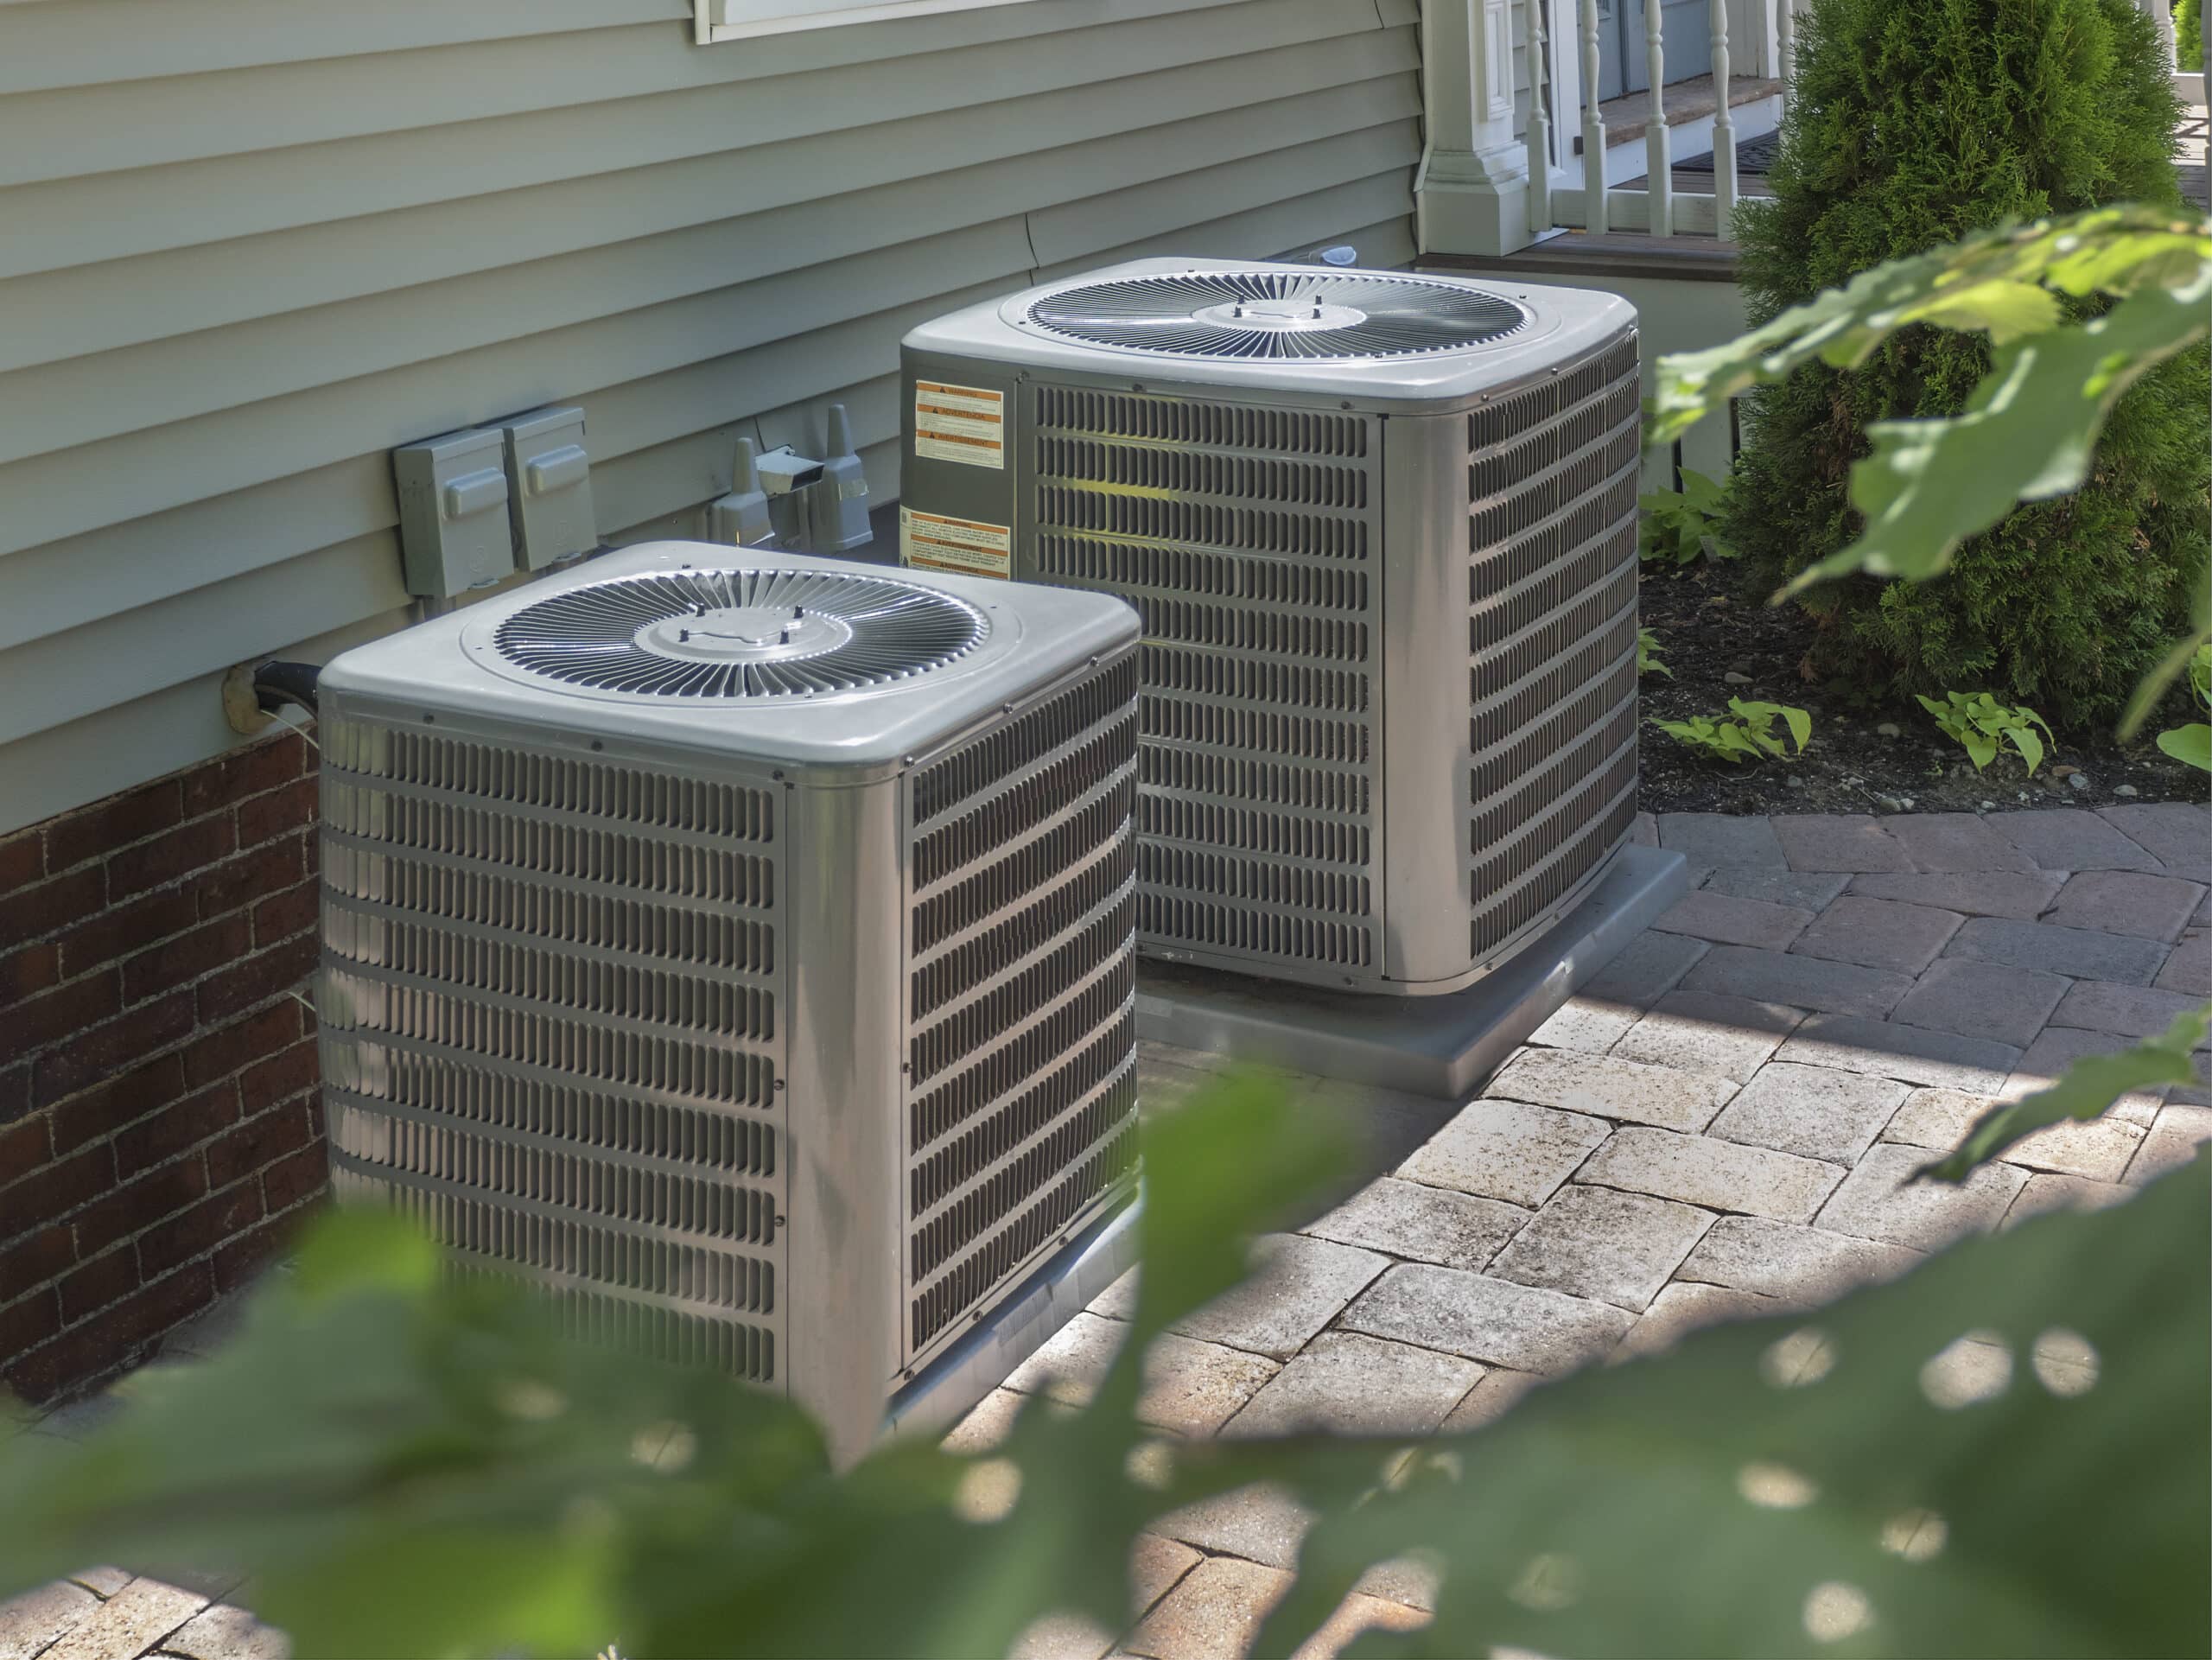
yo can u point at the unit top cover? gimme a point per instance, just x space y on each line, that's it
798 661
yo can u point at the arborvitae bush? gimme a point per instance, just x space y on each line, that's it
2188 34
1911 124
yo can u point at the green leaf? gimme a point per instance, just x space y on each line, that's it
1980 750
2191 744
1801 726
2084 1091
1701 493
2029 746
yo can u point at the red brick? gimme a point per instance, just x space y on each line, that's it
97 830
186 957
35 1260
28 971
139 1203
161 1136
265 975
250 877
112 1338
149 864
31 1319
257 1143
78 1064
46 908
129 927
22 860
241 1261
305 1173
245 771
23 1148
39 1022
106 1109
279 1078
54 1190
294 911
15 1092
267 816
267 1032
199 1230
99 1282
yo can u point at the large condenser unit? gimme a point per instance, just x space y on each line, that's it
740 947
1382 530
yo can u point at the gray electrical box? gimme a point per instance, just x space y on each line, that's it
453 512
548 481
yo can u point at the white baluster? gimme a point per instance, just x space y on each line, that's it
1785 42
1658 165
1540 127
1593 126
1724 126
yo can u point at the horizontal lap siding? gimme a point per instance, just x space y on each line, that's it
370 225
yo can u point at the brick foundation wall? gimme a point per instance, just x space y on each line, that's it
161 1129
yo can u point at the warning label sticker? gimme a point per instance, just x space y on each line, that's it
966 547
959 423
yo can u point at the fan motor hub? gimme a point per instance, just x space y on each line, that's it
744 633
1291 315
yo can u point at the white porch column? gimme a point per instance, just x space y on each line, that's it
1473 188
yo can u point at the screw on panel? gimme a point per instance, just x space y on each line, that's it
430 720
780 1082
596 744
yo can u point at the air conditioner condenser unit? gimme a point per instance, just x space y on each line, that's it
1381 528
740 947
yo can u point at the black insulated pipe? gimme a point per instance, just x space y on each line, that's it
276 683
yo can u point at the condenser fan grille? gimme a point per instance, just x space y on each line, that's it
1278 316
741 633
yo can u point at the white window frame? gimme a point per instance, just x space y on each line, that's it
714 21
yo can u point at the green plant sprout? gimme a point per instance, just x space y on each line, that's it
1648 660
1678 524
1983 725
2191 743
1750 735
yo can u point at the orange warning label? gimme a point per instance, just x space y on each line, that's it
959 423
966 547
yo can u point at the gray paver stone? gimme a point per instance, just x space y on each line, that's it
1801 1264
1807 890
2059 1047
2174 1137
1062 1636
1491 1320
1850 841
1490 1400
1977 998
1686 1306
1877 1203
1728 921
30 1624
1645 831
1704 1032
2083 953
2178 833
1357 1613
1880 933
1190 1387
227 1632
2046 1192
2070 838
2024 895
2095 1149
1260 1524
1716 1175
1430 1224
1348 1385
1813 1111
1912 1053
2127 902
2189 969
2132 1011
1802 981
1506 1150
1955 842
1936 1119
1300 1286
1715 838
127 1624
1649 967
1600 1086
1213 1612
1586 1024
1596 1242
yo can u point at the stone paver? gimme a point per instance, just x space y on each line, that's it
2172 1143
1429 1225
1703 1032
1802 981
1728 921
1508 1151
2082 952
30 1623
1489 1399
1876 1201
1299 1286
1354 1385
1812 1111
1494 1321
1262 1524
1806 890
1938 1119
1880 933
2059 1047
1649 967
2070 838
1213 1613
1586 1024
225 1632
2022 895
1976 998
1356 1614
1685 1307
1781 1260
2097 1149
1955 842
2178 833
1192 1387
1591 1085
1845 842
2127 902
1912 1053
1595 1242
2132 1011
1716 1175
2189 969
2046 1192
131 1621
1712 838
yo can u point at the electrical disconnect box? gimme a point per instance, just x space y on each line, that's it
549 486
453 512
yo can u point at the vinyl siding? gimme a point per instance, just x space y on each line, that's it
370 225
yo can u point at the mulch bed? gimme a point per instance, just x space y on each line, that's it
1707 630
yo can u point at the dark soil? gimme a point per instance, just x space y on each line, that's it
1706 630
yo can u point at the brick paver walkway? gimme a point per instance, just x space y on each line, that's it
1718 1125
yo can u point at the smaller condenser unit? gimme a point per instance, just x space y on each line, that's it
1381 529
740 947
